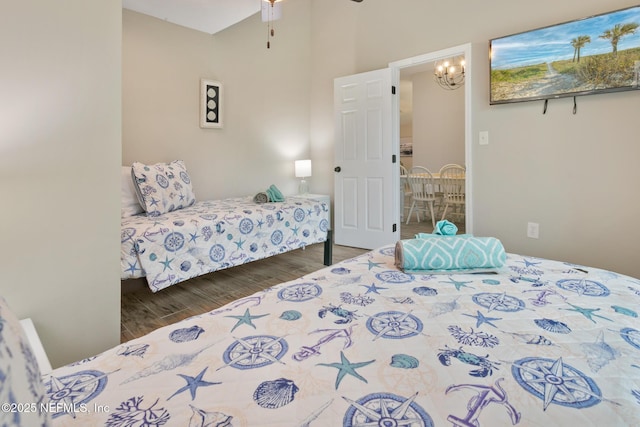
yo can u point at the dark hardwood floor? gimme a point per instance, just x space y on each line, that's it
143 311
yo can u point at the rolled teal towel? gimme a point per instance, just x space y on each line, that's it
274 194
449 253
445 228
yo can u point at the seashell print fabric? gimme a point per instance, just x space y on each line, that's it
542 343
214 235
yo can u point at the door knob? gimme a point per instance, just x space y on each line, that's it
337 169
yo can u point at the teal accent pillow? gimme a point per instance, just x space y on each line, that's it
22 392
163 187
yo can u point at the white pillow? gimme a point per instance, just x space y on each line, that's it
129 205
22 385
163 187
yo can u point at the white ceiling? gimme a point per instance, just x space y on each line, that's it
209 16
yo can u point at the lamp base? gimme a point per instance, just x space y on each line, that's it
303 188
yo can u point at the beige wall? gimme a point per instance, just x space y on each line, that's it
60 153
438 125
266 102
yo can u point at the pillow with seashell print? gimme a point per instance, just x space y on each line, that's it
162 187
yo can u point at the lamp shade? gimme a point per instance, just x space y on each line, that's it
303 168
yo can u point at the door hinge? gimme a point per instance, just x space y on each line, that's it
395 227
393 90
393 158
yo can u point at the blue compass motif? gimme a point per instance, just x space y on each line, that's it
552 381
277 237
298 214
174 242
631 336
75 389
395 276
386 409
394 325
245 226
498 302
300 292
584 287
389 251
162 181
255 351
184 176
217 253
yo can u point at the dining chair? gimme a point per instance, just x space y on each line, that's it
440 192
449 165
423 187
405 190
452 183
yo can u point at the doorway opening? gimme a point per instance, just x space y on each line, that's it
424 65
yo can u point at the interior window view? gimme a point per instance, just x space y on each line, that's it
319 213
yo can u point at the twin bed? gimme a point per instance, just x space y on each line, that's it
217 234
168 237
361 343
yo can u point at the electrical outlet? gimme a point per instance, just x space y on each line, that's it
483 137
533 230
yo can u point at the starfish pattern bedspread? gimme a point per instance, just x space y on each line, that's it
213 235
360 343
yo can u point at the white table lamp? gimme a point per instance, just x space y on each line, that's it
303 170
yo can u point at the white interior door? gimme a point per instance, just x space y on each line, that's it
364 194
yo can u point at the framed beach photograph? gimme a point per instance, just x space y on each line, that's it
211 98
593 55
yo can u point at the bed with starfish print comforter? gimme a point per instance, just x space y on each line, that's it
216 234
361 343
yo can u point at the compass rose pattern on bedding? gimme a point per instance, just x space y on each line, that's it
216 234
361 343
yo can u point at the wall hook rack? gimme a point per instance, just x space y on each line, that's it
546 104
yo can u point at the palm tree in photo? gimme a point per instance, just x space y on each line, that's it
578 43
617 32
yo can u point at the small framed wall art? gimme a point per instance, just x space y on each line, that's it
211 93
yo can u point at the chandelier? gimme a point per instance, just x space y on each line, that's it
449 75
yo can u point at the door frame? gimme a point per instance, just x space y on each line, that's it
425 59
